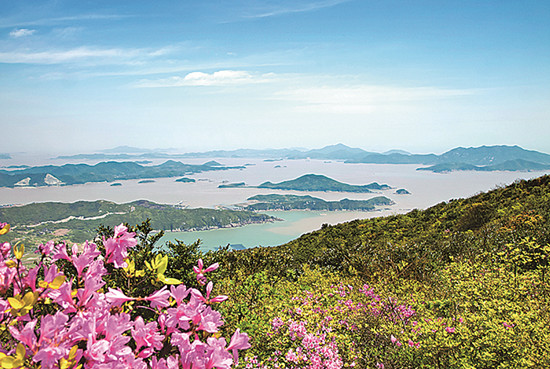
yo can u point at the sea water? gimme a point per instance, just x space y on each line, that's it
426 189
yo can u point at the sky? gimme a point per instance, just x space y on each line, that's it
423 75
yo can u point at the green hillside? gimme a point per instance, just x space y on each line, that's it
463 284
78 221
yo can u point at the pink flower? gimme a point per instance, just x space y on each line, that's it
200 272
5 249
395 341
116 247
450 329
179 293
61 253
147 335
207 299
117 297
219 357
159 298
46 249
83 260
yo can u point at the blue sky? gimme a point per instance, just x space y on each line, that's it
425 76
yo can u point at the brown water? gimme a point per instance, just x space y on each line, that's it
426 189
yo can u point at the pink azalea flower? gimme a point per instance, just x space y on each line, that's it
179 292
26 336
5 249
200 271
239 341
210 320
219 357
63 297
61 253
147 335
89 253
117 297
207 299
159 298
46 249
450 329
116 247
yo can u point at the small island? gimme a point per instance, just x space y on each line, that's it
402 191
116 184
233 185
185 180
294 202
146 181
316 182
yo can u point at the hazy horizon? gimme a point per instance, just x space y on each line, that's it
212 75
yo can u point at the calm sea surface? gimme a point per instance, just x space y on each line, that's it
426 189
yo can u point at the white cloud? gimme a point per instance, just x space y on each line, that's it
362 98
291 7
219 78
21 32
103 56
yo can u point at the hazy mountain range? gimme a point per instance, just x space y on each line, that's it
69 174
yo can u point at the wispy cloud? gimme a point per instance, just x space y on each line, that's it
362 98
219 78
80 54
21 32
280 8
7 23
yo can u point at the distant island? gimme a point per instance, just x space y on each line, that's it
5 156
509 165
70 174
77 221
483 158
186 180
232 185
458 157
402 191
116 184
316 182
294 202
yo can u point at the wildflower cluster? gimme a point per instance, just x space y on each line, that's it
51 318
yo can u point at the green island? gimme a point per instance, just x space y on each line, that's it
233 185
70 174
294 202
317 182
402 191
185 180
77 221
